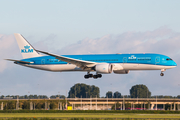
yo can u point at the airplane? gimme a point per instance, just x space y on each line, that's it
99 63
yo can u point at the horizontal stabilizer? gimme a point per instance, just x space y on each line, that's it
19 61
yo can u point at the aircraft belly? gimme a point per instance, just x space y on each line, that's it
123 66
56 68
144 67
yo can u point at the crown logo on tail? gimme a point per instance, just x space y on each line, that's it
26 47
26 50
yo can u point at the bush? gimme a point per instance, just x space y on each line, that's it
26 105
10 105
52 105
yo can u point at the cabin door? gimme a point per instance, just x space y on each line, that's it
157 59
125 60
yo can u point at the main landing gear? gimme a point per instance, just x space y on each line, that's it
162 70
91 75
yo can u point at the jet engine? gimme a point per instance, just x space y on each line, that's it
121 71
104 68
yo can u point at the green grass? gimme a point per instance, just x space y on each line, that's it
86 115
94 111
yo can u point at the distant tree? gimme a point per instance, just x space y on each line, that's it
128 105
38 106
52 105
53 96
178 96
118 106
62 96
9 105
31 96
140 91
109 94
57 96
14 97
168 96
126 96
167 106
2 96
35 97
42 96
25 96
26 105
137 105
117 94
161 96
42 105
83 90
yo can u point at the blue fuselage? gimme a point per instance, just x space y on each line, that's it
147 58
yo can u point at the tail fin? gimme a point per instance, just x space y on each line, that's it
26 48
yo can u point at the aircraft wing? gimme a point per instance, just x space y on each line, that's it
80 63
26 62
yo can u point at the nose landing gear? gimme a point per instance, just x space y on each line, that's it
162 74
162 70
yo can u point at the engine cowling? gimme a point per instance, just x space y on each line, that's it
121 71
104 68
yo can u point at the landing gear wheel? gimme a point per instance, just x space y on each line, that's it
86 76
99 75
90 75
95 76
162 74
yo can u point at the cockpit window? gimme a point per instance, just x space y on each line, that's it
168 59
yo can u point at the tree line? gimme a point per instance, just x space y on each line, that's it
39 104
137 91
81 90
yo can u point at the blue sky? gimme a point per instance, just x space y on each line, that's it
64 27
74 20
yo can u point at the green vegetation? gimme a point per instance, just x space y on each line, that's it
117 105
85 116
140 91
46 118
30 96
26 105
39 104
109 94
93 111
86 91
117 95
9 105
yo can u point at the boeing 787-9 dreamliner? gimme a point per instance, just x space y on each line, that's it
98 63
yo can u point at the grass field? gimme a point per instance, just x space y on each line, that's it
86 115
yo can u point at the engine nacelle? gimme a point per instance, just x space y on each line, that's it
121 71
104 68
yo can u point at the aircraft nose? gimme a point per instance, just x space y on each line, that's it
174 63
